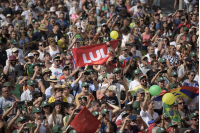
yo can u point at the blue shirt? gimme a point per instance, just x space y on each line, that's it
63 23
48 92
119 9
157 25
50 28
74 87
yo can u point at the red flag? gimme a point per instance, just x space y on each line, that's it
85 122
94 54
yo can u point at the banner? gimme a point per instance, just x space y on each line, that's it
171 113
85 122
94 54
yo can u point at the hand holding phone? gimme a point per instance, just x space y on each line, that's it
91 97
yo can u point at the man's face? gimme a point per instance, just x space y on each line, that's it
36 25
59 95
124 52
157 17
8 19
151 50
15 53
110 78
85 89
155 65
38 115
143 81
195 121
145 61
56 27
38 68
19 124
96 107
31 88
120 2
141 96
47 57
62 16
162 64
57 62
5 92
52 22
13 62
52 84
71 110
118 74
161 84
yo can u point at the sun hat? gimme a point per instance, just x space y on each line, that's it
43 27
53 79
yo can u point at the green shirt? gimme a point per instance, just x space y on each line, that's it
16 92
30 69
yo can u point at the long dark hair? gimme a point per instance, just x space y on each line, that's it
62 113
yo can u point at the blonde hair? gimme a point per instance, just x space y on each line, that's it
50 39
179 98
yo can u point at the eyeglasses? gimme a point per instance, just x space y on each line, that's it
136 30
36 54
65 69
182 19
144 80
30 30
195 119
22 29
182 103
141 20
165 40
80 28
57 60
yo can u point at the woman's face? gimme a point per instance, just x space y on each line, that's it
126 23
128 2
181 104
58 107
194 17
181 30
173 49
191 76
146 29
52 42
172 130
76 10
13 35
194 38
22 29
165 24
136 30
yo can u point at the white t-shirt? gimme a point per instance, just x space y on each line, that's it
25 14
56 71
41 57
20 54
147 117
133 84
58 120
163 56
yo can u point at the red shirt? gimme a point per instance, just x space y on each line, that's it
187 25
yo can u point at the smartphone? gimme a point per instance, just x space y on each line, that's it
160 39
30 124
164 71
90 97
30 103
43 97
114 60
21 103
86 73
132 117
115 81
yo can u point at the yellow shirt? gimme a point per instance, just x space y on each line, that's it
138 87
52 99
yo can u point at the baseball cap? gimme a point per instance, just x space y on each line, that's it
95 113
156 14
124 114
160 130
13 41
185 29
7 106
183 17
45 103
45 71
116 70
30 55
136 107
36 110
20 118
172 86
143 57
142 77
137 71
171 34
192 54
171 125
14 49
174 73
175 103
103 111
7 84
173 43
162 60
57 129
56 57
160 79
12 57
72 131
112 88
124 48
84 84
105 75
65 67
140 90
192 115
30 82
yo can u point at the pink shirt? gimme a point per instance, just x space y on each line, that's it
146 37
73 17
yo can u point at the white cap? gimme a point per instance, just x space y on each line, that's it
173 43
52 9
14 49
112 88
30 55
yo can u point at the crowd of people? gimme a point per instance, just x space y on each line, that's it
42 90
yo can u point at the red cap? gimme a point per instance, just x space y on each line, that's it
12 57
62 77
100 96
155 13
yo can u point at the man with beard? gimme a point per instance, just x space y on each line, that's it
56 34
124 54
194 120
152 73
144 66
150 51
40 35
10 68
62 20
183 71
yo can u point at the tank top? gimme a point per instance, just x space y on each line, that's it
146 37
45 83
53 53
125 39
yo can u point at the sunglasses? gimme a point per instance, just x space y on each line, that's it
30 30
58 60
165 40
143 80
22 29
195 119
80 28
182 103
67 64
141 20
41 45
182 19
65 69
196 7
52 41
36 54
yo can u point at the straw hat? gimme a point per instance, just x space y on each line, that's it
53 79
60 6
43 27
52 9
45 71
58 86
